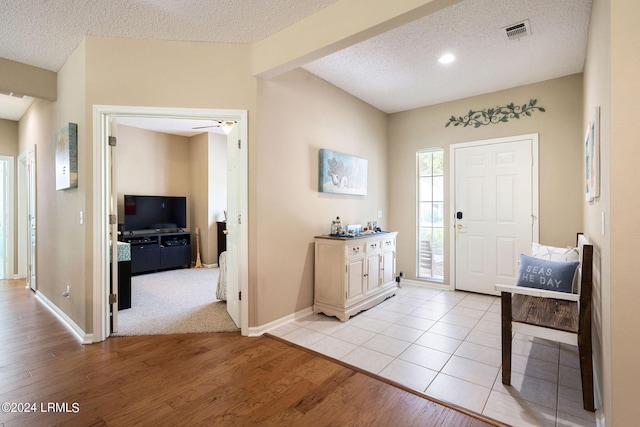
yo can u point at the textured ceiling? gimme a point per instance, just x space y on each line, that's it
398 70
395 71
44 33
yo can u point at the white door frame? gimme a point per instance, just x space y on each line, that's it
101 174
9 184
22 216
452 195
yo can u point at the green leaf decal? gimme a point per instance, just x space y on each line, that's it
495 115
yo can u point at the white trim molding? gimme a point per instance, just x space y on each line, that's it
102 114
66 320
257 331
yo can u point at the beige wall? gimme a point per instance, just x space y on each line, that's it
62 240
597 81
151 163
217 191
298 115
560 158
156 163
9 147
107 71
199 200
624 203
8 138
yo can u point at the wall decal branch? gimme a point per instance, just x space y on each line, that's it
495 115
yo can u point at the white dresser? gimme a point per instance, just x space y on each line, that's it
353 273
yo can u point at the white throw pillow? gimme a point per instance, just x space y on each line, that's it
553 253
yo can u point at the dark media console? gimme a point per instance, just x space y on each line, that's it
158 251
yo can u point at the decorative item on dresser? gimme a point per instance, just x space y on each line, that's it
353 274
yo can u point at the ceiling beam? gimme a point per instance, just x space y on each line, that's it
28 80
333 28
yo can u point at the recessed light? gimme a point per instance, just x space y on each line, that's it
446 58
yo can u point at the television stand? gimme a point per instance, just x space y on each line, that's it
158 251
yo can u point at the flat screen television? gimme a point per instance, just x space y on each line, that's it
154 213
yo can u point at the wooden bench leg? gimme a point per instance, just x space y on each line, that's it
506 338
586 370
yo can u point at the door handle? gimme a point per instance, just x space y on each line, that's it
225 231
460 226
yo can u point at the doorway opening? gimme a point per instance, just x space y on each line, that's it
105 204
7 205
27 217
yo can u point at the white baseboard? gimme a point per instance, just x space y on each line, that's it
430 285
193 265
257 331
66 320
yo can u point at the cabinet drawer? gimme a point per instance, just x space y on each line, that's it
355 250
374 246
388 244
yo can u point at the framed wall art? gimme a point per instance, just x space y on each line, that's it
342 173
592 158
67 157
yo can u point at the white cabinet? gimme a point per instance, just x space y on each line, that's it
353 273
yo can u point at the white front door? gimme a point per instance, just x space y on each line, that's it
495 210
234 220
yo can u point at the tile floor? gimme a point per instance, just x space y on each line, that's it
447 345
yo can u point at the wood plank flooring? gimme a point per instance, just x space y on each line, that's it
187 380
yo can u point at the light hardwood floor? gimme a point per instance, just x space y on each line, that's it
193 379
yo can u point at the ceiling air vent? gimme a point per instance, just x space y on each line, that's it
517 31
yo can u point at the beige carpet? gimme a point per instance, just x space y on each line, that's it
175 302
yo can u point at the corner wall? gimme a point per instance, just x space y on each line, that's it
154 73
8 138
597 92
298 115
62 240
560 151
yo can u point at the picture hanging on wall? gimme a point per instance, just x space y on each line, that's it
592 158
342 173
67 157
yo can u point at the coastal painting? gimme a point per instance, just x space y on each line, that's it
342 173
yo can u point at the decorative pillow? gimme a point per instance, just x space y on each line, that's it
545 274
553 253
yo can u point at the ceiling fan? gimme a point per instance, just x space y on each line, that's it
225 125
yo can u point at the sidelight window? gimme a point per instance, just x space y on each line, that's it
430 248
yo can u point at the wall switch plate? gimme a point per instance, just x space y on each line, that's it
379 214
602 223
81 217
